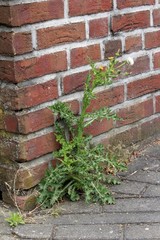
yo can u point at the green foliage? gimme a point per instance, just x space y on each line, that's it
15 219
82 167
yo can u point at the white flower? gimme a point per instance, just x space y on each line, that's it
130 61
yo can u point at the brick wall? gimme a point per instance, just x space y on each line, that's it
44 50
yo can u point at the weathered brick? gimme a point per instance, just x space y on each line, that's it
37 147
156 60
132 3
74 82
112 47
98 28
49 37
130 21
141 64
85 7
30 176
158 104
156 17
135 112
28 13
99 127
21 98
107 98
81 56
12 43
152 40
34 67
7 71
143 86
133 43
5 16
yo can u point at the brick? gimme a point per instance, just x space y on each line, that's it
141 87
5 17
81 56
34 121
132 3
156 17
49 37
135 112
29 96
158 104
30 176
36 67
15 43
133 43
107 98
37 147
85 7
112 47
99 127
141 64
150 128
29 13
152 40
7 71
156 60
98 28
130 21
74 82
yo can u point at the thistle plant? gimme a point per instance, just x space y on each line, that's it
80 171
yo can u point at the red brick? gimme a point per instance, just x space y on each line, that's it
132 3
156 61
18 15
36 67
5 16
35 121
152 40
98 28
21 98
7 71
49 37
143 86
74 106
112 47
141 64
158 104
133 43
99 127
74 82
85 7
156 17
135 112
29 177
81 56
107 98
37 147
130 21
134 134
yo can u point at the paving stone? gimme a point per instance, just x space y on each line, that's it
152 191
89 232
8 237
153 151
105 218
80 207
134 205
4 228
143 232
34 231
127 187
146 177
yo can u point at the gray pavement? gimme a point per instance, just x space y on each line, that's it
135 216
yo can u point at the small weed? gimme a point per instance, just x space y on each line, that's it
15 219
